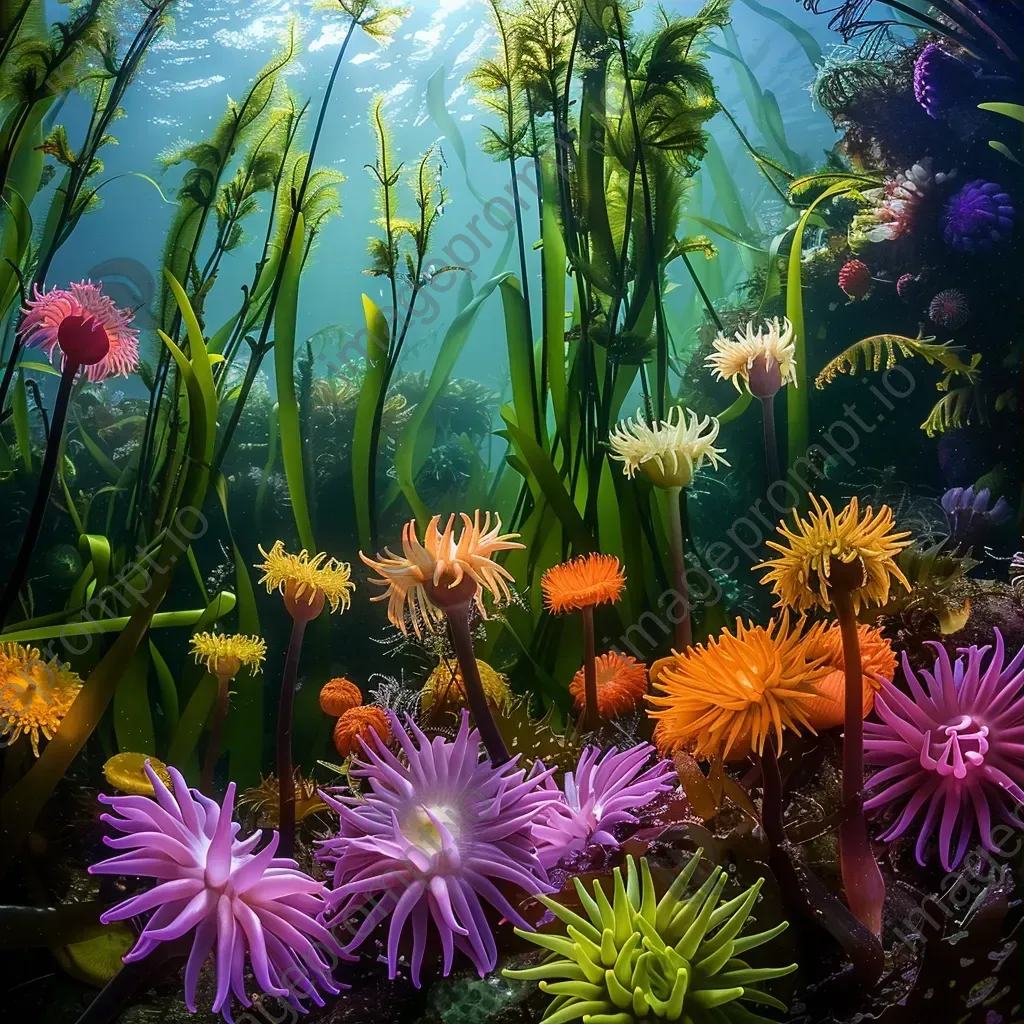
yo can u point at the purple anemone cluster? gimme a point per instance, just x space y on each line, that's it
979 217
237 903
940 81
951 751
970 514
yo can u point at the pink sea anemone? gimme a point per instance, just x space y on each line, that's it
430 840
953 753
236 901
85 307
949 309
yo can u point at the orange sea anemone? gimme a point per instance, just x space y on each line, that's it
621 685
725 699
582 583
338 696
360 724
825 641
441 572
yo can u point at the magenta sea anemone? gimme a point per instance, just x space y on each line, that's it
949 309
237 902
603 792
431 840
85 307
953 754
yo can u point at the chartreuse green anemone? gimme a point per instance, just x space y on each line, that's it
638 958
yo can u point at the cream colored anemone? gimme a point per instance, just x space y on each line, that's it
764 361
671 451
441 572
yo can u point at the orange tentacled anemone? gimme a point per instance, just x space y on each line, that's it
360 723
338 696
726 698
825 641
442 572
582 583
621 685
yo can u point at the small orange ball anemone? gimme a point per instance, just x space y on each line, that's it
621 685
338 696
357 724
825 641
582 582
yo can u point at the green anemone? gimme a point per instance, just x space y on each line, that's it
638 958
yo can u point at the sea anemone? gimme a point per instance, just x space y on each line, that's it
634 958
951 751
86 325
306 583
818 546
432 838
35 695
669 452
446 688
940 80
265 799
363 723
979 217
583 582
127 773
338 696
621 685
970 516
824 643
601 794
426 577
764 361
949 309
226 655
239 904
907 286
855 279
894 206
725 699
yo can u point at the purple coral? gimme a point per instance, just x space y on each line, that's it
970 516
603 792
431 840
979 217
940 81
949 309
952 757
237 902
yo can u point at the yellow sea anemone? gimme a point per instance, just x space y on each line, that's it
446 688
764 361
338 696
125 773
265 799
670 452
35 695
305 582
725 699
441 572
582 582
357 724
824 641
226 655
861 548
621 685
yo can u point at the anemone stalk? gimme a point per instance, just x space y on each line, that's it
684 627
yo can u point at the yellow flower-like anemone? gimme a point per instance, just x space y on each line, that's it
306 583
442 572
725 699
856 552
764 361
35 695
446 688
126 773
670 452
226 655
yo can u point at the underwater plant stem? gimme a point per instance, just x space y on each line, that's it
684 628
49 469
591 719
462 641
220 713
771 444
285 718
865 888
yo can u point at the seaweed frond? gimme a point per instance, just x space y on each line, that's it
956 409
883 351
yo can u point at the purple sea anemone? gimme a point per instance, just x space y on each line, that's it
906 286
431 839
603 792
236 901
949 309
969 515
978 217
954 754
940 81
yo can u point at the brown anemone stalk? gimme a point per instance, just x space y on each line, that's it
580 585
441 580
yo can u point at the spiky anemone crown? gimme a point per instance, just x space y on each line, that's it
637 958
